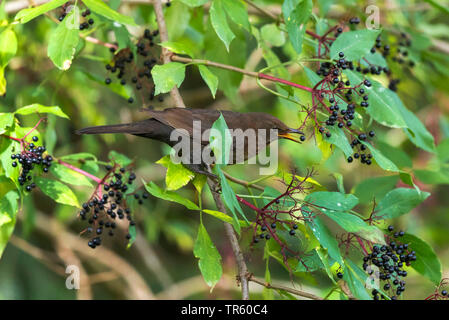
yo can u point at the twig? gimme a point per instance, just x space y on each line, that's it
241 264
243 182
165 52
281 287
242 71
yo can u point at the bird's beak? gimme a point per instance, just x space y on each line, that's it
287 135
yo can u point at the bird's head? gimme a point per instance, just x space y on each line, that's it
284 131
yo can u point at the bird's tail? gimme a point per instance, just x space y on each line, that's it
130 128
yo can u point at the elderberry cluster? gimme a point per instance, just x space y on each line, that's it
103 212
343 91
267 236
136 70
86 22
390 260
30 157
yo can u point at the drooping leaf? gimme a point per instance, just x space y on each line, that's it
354 44
398 202
209 257
177 174
427 262
158 192
8 211
101 8
381 160
119 158
62 44
296 13
57 191
167 76
69 176
220 23
210 79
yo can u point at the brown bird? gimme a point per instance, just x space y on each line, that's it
162 123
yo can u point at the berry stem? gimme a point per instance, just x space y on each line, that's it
242 71
84 173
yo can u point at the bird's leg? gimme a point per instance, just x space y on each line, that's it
198 168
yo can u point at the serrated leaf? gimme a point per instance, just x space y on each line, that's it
296 13
99 7
156 191
69 176
210 79
62 44
427 262
6 121
178 47
209 257
167 76
8 46
381 160
237 12
8 211
57 191
354 44
28 14
383 106
398 202
220 24
272 34
177 175
119 158
38 108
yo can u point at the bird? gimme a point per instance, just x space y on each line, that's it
162 123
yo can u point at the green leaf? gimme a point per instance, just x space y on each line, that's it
167 76
354 44
178 47
398 202
8 46
230 199
237 12
69 176
375 188
355 278
6 121
8 211
62 44
7 147
325 237
38 108
383 105
339 139
177 20
119 158
220 140
427 262
177 175
296 13
336 205
57 191
220 23
209 257
28 14
381 160
102 9
158 192
312 261
210 79
224 217
79 156
194 3
273 35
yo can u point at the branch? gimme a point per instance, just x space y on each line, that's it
243 182
281 287
245 72
241 264
166 54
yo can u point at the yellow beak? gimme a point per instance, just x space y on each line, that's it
289 136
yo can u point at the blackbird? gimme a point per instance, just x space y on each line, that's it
162 123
